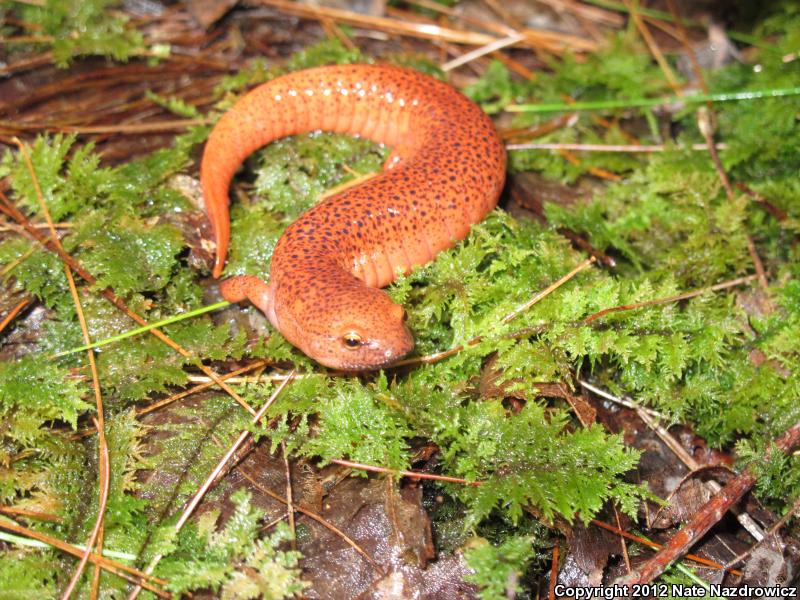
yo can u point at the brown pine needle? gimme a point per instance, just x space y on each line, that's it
37 225
549 290
99 421
14 312
289 500
32 514
112 566
550 41
402 473
459 61
655 50
105 475
436 357
202 386
122 129
685 296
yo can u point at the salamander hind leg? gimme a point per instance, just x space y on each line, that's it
236 289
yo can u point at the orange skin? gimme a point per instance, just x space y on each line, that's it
445 173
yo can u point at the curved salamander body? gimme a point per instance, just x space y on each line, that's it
445 173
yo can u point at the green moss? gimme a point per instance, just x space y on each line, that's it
83 28
497 569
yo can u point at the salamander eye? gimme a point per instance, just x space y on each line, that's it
351 340
405 316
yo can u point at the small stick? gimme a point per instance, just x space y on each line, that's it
651 418
650 544
771 531
710 514
776 212
482 51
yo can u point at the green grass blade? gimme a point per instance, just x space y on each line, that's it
144 328
650 102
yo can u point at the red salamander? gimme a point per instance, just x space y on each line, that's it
445 173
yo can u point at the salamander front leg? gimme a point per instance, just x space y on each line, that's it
236 289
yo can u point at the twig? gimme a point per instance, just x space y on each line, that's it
482 51
705 518
651 418
651 544
776 212
221 465
685 296
795 509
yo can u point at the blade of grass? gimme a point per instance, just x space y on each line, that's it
650 102
145 328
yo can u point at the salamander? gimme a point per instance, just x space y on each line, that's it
445 172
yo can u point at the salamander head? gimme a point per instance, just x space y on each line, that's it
358 330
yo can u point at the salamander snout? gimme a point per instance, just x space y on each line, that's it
367 330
